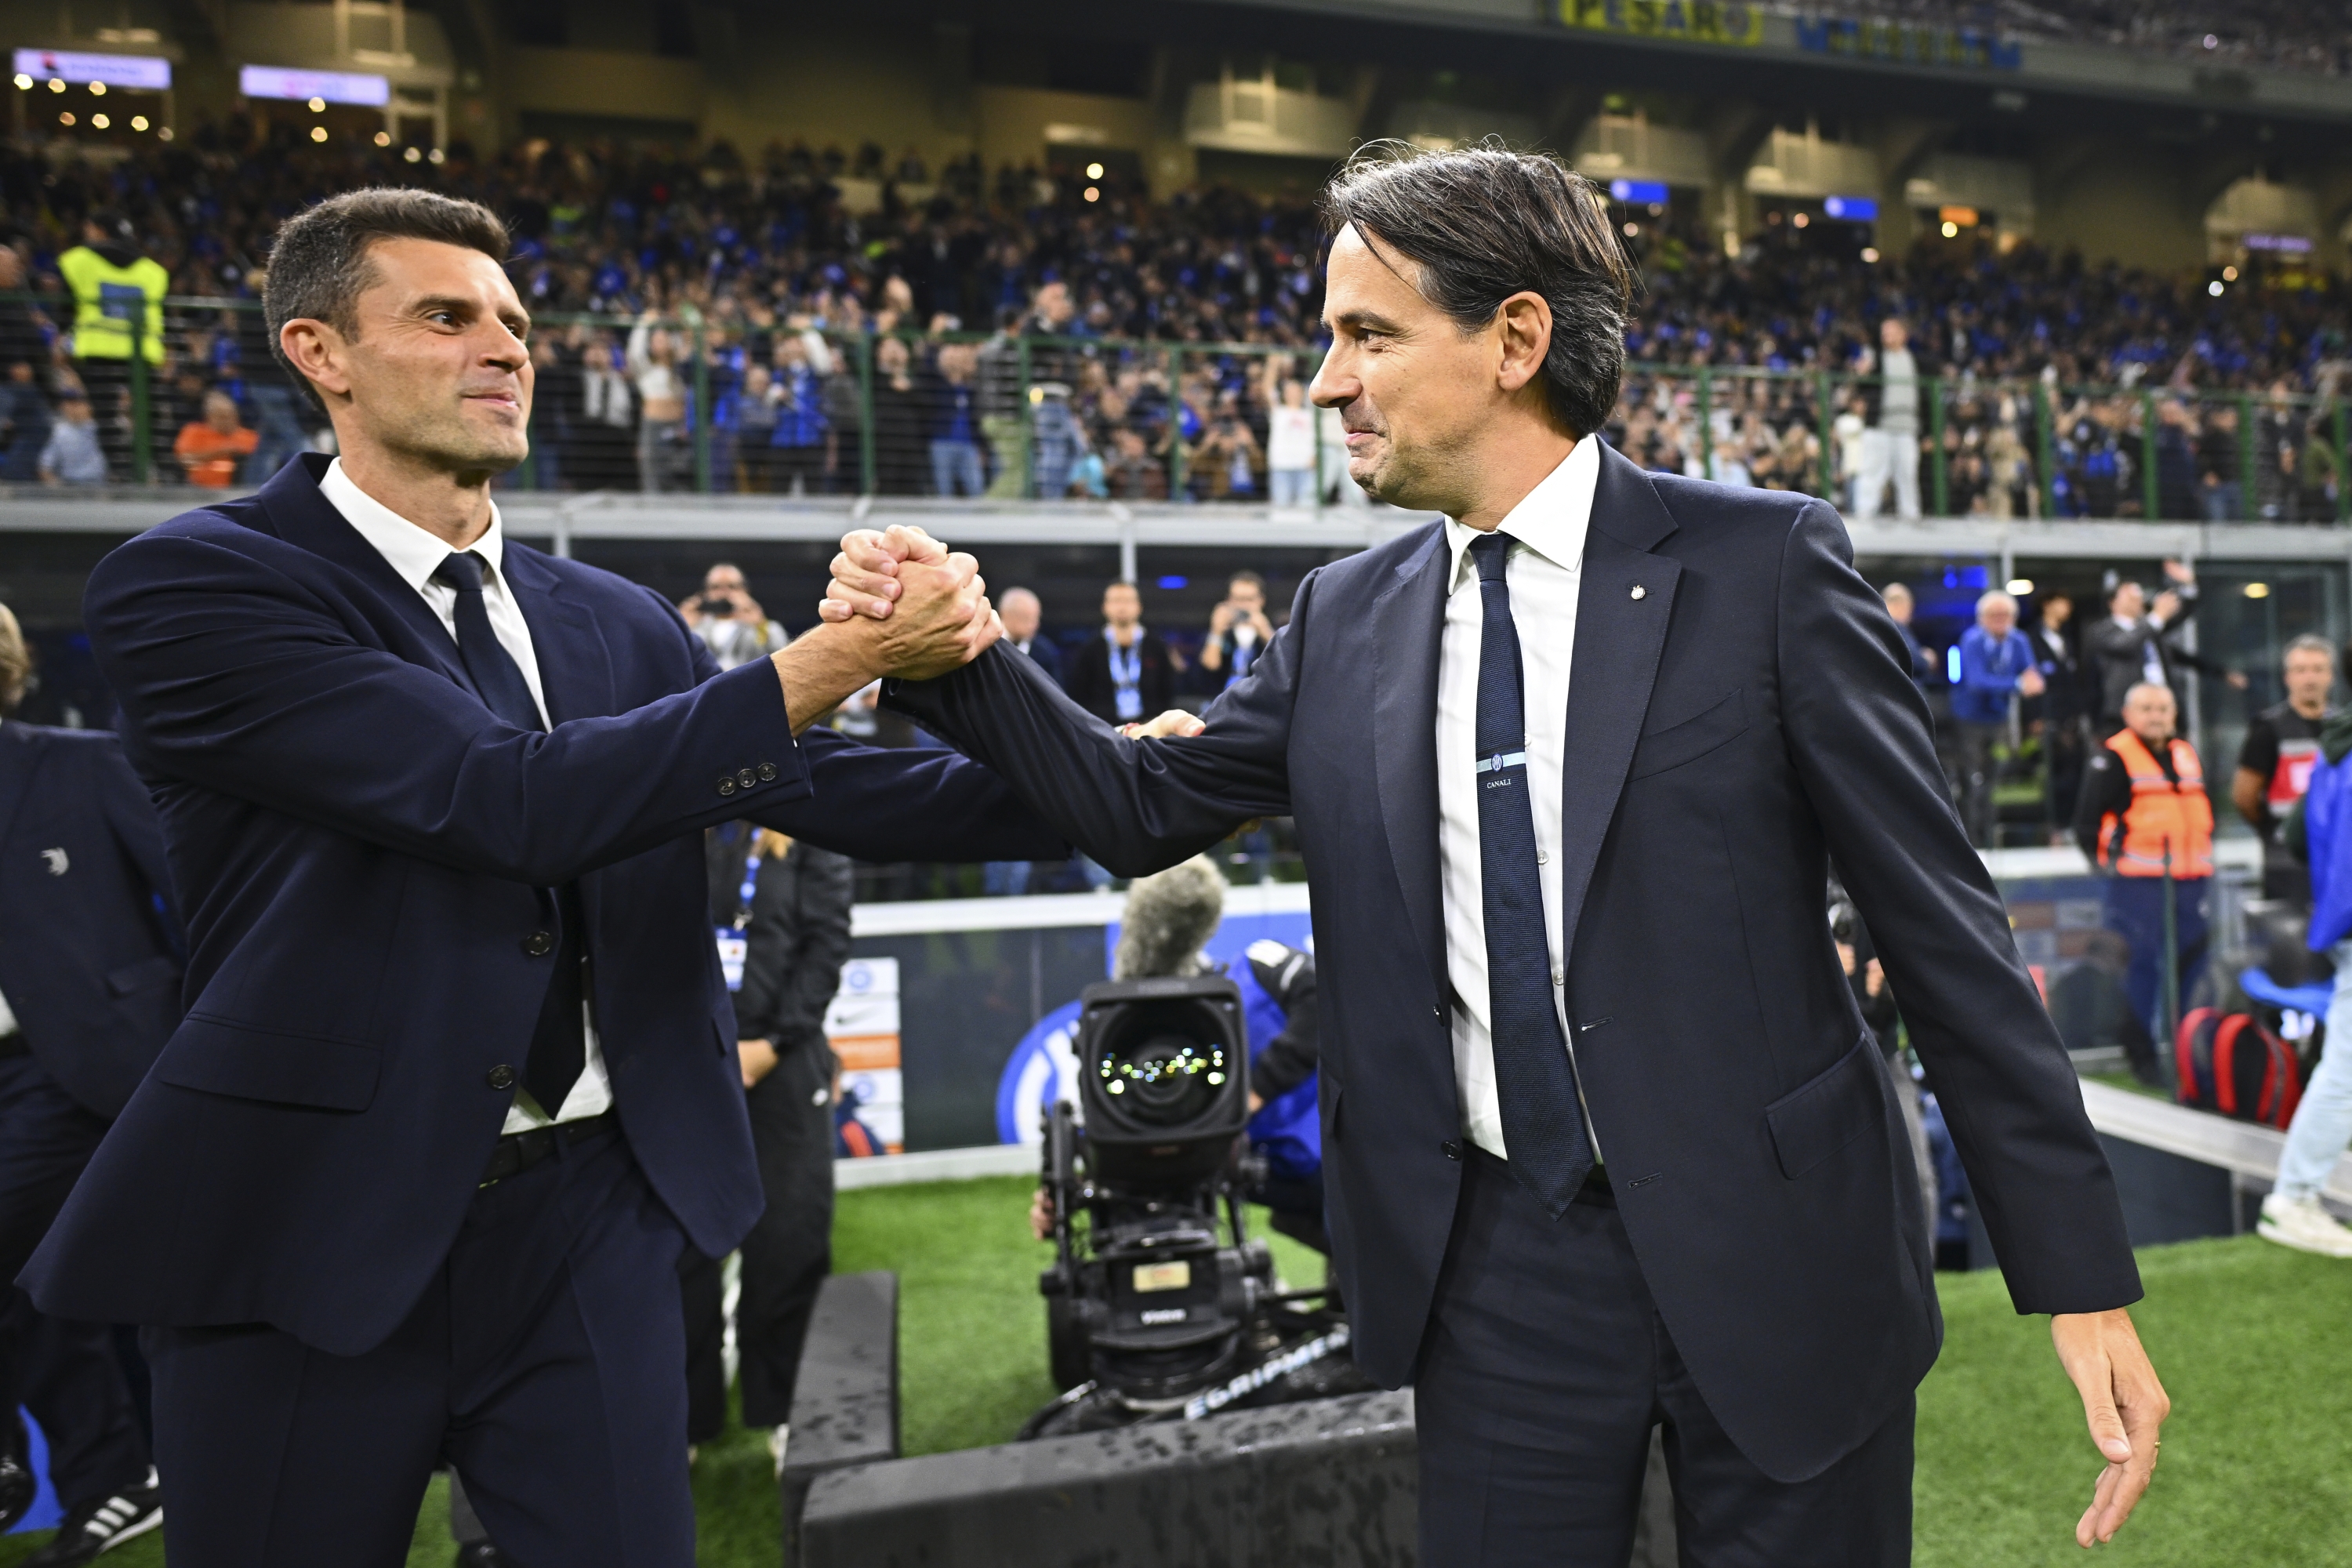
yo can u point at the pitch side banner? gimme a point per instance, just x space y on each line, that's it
1690 21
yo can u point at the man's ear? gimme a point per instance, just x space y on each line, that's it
1523 330
317 350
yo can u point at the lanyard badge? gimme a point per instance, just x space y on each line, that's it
734 941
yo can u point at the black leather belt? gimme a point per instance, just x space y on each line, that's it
519 1151
1596 1191
12 1044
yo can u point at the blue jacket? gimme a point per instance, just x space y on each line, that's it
93 951
1286 1129
1988 672
2328 847
364 852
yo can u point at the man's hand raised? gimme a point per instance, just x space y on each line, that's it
935 618
2124 1404
869 575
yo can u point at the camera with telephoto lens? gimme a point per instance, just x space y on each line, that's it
1159 1305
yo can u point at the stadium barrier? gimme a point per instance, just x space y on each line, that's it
1107 419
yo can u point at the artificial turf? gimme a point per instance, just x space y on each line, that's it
2251 1341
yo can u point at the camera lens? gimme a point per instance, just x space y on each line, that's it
1165 1079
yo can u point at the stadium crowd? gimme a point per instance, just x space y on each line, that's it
730 322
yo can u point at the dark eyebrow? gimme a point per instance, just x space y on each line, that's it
463 306
1366 321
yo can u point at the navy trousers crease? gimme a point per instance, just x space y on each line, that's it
1545 1368
542 1363
67 1374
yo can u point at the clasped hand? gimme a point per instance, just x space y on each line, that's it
927 606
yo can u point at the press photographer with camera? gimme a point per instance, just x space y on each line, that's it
730 621
1238 631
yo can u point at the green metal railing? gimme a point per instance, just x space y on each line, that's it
782 407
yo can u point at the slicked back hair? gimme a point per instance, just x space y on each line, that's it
1484 223
320 265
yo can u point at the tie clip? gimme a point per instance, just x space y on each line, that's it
1498 761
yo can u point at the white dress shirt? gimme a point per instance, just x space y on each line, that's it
415 556
1544 571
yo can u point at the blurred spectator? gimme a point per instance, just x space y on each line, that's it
781 912
1127 675
900 418
1290 445
1021 612
1900 604
26 419
277 430
2218 463
751 421
1238 631
2139 642
2063 707
797 461
1228 454
72 456
2293 1214
1997 666
2143 818
1894 402
730 621
117 299
956 467
2274 765
209 449
664 447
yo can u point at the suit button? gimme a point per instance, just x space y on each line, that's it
746 777
1437 1012
1450 1148
726 784
502 1077
539 944
767 772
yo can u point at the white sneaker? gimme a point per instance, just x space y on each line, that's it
776 1449
2303 1224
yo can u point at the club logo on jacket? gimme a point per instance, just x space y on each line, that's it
56 860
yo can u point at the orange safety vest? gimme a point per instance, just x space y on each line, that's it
2162 816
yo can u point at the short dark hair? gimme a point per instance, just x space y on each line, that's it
1252 578
1485 222
319 264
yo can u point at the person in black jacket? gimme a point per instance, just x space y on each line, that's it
1127 675
89 990
781 912
2140 642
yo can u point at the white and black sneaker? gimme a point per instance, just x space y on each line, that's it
101 1527
18 1486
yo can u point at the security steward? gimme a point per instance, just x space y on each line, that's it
89 990
2143 813
118 308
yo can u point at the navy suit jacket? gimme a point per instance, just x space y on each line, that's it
1740 711
91 960
364 853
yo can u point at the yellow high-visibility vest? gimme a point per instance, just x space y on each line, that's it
106 301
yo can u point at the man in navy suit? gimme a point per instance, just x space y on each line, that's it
457 1078
1606 1143
90 988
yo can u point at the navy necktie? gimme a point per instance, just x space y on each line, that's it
559 1045
1543 1122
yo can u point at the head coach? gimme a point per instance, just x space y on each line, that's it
1606 1143
457 1079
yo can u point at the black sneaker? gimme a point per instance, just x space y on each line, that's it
101 1527
19 1485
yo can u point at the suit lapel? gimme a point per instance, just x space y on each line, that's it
1619 637
575 669
1407 620
301 516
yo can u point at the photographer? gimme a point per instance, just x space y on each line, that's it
1238 631
730 621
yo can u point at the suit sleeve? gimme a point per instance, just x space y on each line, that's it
1136 806
1858 738
236 677
130 816
887 803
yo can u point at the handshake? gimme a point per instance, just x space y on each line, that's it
901 604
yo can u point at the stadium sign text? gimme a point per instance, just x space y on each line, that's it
1691 21
1878 39
139 71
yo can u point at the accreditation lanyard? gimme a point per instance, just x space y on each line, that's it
735 941
1126 674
